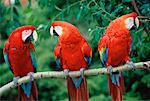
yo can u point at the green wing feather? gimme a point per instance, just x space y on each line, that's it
33 58
7 61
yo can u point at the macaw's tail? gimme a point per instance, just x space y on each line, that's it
28 92
77 89
116 90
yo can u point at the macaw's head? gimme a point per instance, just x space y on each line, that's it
130 20
25 33
65 31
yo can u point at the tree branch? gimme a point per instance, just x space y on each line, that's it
135 7
89 72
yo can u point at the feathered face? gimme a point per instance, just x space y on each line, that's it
28 33
60 28
131 20
57 28
66 32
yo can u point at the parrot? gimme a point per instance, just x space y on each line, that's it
114 49
72 53
19 55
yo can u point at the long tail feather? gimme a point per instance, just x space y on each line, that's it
77 94
33 95
115 90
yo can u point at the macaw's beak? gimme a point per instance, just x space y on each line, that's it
53 32
35 36
137 22
32 37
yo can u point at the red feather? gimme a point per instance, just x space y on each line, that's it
117 40
71 49
19 58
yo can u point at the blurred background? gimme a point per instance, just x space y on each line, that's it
91 17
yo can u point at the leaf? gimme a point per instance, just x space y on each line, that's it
126 0
79 14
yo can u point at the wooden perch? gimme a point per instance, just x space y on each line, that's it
89 72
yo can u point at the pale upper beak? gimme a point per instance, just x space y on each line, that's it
35 36
137 22
51 31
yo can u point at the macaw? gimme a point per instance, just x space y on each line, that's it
19 54
114 49
72 53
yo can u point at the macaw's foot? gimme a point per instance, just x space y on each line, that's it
66 72
114 76
131 64
15 80
31 74
82 72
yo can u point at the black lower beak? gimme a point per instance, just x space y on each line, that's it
134 27
30 38
55 33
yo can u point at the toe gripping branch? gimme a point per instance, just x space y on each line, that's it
131 64
31 75
15 80
76 81
114 76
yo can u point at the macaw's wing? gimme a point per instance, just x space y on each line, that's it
7 61
57 55
103 50
33 56
87 51
6 49
103 55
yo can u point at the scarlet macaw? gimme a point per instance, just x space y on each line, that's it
114 49
19 54
72 53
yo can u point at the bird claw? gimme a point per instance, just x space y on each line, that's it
31 75
82 72
66 72
110 69
15 80
131 65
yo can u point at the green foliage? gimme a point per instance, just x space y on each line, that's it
91 17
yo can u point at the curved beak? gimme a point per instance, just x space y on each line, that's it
137 22
35 36
51 31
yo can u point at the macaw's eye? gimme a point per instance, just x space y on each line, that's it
129 22
26 34
58 30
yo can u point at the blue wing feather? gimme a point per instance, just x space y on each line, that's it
87 59
27 88
58 63
104 56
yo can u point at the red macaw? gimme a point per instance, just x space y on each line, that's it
19 54
114 49
73 53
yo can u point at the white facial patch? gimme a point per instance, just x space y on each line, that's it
58 30
26 34
35 36
129 22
